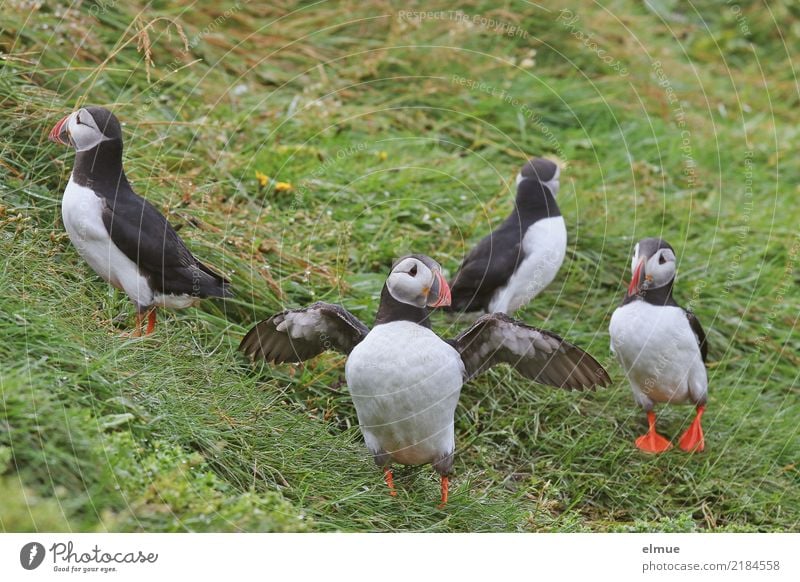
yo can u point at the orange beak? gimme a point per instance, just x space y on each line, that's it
442 290
60 133
638 276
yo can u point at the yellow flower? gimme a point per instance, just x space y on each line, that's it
263 179
382 156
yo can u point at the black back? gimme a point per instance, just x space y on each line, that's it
490 264
140 231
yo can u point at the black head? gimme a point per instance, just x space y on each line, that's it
653 265
87 127
414 285
540 170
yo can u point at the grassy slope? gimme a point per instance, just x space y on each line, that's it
175 433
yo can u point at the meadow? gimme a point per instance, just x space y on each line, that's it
299 149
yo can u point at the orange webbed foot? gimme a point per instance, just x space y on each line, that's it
652 442
693 441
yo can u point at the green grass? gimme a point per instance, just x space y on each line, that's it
175 432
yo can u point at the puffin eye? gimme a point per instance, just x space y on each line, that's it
413 271
661 259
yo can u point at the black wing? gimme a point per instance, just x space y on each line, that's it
297 335
148 239
487 267
699 334
536 354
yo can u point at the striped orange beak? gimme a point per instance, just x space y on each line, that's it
440 290
60 133
637 279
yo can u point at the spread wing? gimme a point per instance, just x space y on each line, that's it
148 239
536 354
699 334
488 266
297 335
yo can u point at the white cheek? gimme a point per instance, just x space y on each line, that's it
661 274
84 137
653 269
555 184
405 288
424 274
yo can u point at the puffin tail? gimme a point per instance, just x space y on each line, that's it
225 289
212 284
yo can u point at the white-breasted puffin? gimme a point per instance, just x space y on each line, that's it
514 263
120 234
661 346
404 379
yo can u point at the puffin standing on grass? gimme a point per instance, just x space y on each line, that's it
404 379
120 234
660 345
514 263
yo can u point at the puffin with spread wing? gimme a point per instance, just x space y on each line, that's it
404 379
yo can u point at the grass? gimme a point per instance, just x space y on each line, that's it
396 137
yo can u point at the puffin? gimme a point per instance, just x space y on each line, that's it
121 235
404 379
514 263
661 346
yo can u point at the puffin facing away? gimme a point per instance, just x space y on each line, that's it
404 379
660 345
120 234
514 263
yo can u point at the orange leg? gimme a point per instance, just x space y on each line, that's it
692 440
387 475
137 331
151 321
445 488
652 442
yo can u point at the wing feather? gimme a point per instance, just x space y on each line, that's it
702 341
536 354
145 236
297 335
487 268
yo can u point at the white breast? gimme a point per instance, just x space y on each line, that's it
659 353
405 382
544 246
82 213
